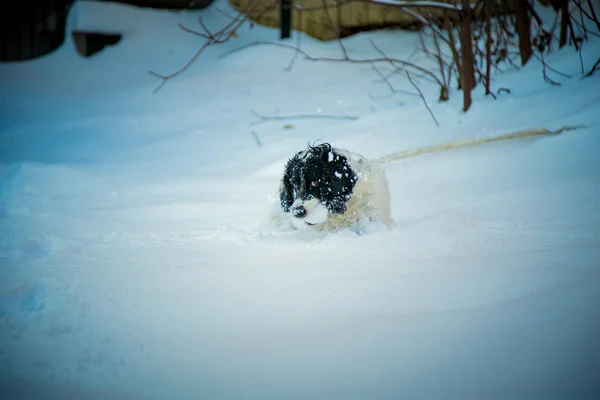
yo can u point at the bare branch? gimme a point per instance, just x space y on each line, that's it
205 28
256 138
393 90
544 67
258 42
223 35
594 69
394 60
533 12
593 16
582 27
351 60
385 79
541 58
444 91
339 40
194 32
224 13
452 44
483 45
295 55
165 78
422 98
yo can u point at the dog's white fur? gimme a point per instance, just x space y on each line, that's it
370 199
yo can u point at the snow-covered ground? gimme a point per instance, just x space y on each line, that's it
137 259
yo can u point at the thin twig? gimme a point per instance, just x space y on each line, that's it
580 52
541 58
351 60
546 77
593 16
452 44
256 138
385 79
165 78
223 35
533 12
201 22
444 91
584 30
582 26
224 13
192 31
298 51
393 90
422 98
258 42
402 62
339 39
572 32
594 68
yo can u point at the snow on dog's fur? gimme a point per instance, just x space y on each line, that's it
329 188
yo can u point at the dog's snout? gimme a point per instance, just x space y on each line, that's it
299 211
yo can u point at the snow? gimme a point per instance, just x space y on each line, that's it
138 258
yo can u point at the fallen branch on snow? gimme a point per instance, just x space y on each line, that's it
256 138
264 118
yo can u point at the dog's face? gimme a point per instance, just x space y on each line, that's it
316 177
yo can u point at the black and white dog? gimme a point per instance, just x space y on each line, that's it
329 188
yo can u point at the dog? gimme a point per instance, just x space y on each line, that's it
328 188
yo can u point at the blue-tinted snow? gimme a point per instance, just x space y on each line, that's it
138 258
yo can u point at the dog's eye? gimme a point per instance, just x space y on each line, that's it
314 183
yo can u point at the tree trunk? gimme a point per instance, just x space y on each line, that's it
523 25
466 50
564 23
488 46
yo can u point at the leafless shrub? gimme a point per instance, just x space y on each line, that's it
467 44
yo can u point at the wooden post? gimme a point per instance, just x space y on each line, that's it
523 23
467 57
286 18
488 4
564 23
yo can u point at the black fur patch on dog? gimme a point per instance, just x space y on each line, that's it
319 173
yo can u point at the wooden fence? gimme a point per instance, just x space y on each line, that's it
339 19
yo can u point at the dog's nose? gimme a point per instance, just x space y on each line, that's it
299 211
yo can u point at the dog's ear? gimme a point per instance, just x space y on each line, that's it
339 188
322 152
286 193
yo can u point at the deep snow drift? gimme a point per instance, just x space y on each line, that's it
137 259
